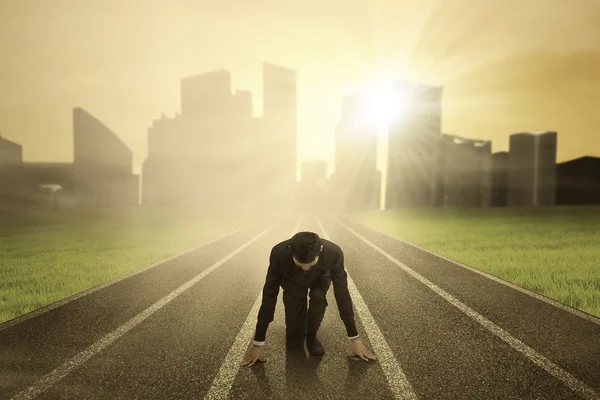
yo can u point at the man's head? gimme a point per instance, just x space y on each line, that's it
305 248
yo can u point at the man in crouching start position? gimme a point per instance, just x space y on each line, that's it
299 264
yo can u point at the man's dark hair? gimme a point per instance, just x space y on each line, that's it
305 246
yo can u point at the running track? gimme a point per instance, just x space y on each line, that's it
179 329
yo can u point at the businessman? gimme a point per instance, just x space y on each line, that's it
305 265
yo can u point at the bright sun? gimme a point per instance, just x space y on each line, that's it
384 104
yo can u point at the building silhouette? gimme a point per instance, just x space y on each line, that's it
21 185
10 152
412 146
206 96
578 181
11 160
355 183
532 169
464 172
499 179
201 157
102 163
100 175
217 155
96 145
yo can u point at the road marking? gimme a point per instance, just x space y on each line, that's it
76 296
569 380
397 381
221 385
51 378
579 313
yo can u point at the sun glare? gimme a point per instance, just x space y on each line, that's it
384 104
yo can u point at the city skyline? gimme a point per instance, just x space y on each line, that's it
381 133
193 157
215 134
494 85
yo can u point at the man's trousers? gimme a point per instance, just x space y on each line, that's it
297 318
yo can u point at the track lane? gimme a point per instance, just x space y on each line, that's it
444 353
176 351
566 339
33 348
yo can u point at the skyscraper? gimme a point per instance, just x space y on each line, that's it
532 169
206 95
217 155
464 172
94 145
499 179
412 143
210 115
102 163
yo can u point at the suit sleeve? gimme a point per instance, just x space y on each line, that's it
269 299
339 278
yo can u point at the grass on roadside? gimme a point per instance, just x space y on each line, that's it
49 255
553 251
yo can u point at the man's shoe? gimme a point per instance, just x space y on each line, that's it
314 346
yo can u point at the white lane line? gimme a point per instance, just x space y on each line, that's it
397 381
76 296
579 313
51 378
569 380
221 385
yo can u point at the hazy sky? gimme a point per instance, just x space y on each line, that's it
507 66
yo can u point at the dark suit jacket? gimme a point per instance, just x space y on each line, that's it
284 272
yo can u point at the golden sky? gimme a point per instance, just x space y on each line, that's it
507 66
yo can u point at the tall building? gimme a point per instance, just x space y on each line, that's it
96 145
355 183
578 181
278 138
206 96
499 179
202 157
412 146
102 162
464 172
210 115
532 169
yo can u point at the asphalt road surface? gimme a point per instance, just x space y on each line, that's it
179 330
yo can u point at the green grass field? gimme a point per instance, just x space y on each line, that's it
552 251
48 255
